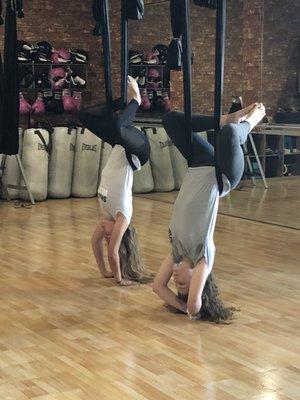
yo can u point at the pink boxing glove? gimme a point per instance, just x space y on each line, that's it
38 106
167 105
77 100
68 102
24 106
145 102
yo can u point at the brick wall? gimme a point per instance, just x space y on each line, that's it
156 28
281 52
257 66
261 50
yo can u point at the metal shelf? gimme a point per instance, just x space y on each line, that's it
148 65
52 64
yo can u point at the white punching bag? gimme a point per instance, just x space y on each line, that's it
61 162
86 164
143 179
12 173
35 158
160 160
179 165
105 153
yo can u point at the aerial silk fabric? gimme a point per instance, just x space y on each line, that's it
10 116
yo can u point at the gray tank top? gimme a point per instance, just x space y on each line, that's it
194 216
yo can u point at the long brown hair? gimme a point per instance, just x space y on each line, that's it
213 308
132 266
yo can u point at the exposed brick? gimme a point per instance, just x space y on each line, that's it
261 41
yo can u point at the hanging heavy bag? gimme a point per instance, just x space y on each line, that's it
135 9
35 158
143 179
61 162
179 165
174 59
213 4
105 153
12 172
86 164
160 160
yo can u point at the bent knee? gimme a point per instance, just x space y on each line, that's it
230 133
172 117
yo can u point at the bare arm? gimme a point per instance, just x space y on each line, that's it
97 244
196 288
120 227
160 285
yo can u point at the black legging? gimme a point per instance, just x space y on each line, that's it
230 155
116 128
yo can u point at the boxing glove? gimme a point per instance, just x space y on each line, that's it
24 106
77 96
38 106
167 105
145 103
68 102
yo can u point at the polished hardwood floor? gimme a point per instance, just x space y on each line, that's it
67 334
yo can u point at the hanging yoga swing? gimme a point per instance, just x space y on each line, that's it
180 20
102 119
9 85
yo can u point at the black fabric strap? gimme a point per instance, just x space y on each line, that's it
129 159
106 44
1 19
97 14
220 6
124 51
135 9
1 105
187 76
177 18
47 146
207 3
19 4
10 125
219 79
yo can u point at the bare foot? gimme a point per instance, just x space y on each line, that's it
133 91
255 115
127 282
238 116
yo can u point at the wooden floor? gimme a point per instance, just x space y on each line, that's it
67 334
279 204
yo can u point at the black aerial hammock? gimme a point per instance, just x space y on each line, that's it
220 7
9 85
100 119
130 9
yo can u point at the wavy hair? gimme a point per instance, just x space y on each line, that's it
132 266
